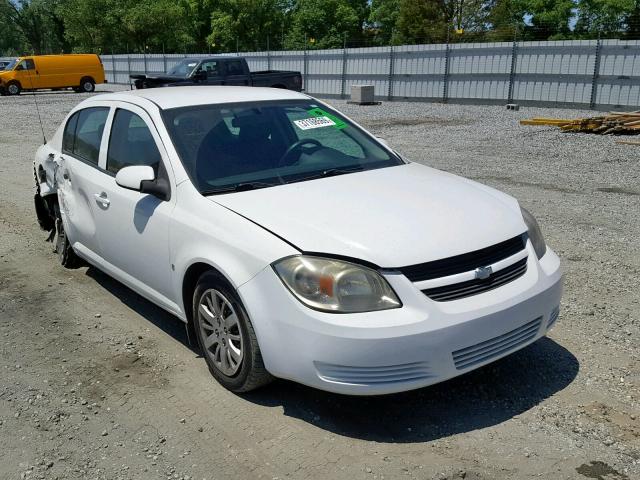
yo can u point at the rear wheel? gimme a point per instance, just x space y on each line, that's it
87 85
13 88
226 335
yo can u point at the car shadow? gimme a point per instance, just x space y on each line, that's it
162 319
479 399
482 398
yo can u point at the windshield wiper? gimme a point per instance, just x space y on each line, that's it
240 187
330 172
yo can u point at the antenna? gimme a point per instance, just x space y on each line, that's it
35 100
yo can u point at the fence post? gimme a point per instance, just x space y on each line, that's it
113 66
445 82
596 74
391 61
343 87
514 62
268 54
164 59
129 67
304 63
144 56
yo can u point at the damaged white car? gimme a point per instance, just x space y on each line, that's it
292 242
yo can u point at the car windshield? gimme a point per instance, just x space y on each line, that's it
11 64
234 147
183 68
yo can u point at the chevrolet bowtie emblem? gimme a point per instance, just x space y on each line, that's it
483 272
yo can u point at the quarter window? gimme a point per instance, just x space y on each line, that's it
83 134
131 143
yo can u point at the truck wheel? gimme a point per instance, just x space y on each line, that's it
87 85
226 335
13 88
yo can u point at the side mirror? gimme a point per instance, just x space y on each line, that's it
133 176
200 75
141 178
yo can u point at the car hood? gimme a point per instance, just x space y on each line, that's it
392 217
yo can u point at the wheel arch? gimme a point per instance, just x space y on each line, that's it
190 281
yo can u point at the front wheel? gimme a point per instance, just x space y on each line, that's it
13 88
226 335
66 255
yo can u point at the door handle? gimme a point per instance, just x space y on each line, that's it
102 199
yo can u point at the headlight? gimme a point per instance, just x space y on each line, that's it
535 234
335 286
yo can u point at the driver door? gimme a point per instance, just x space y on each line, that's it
133 227
211 74
27 74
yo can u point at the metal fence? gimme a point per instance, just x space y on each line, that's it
597 74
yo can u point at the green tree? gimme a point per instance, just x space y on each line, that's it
548 19
118 25
27 18
199 21
603 17
506 19
383 18
438 20
246 24
324 23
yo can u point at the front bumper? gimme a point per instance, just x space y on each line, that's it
422 343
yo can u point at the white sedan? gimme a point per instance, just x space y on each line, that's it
292 242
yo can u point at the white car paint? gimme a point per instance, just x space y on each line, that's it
391 217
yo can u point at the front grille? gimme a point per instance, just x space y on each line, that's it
465 262
456 291
497 346
374 375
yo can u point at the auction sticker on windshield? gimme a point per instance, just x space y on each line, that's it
314 122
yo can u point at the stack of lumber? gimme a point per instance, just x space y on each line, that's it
619 123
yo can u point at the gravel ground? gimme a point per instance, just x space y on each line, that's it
98 383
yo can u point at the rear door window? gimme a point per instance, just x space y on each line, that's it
83 134
131 143
234 67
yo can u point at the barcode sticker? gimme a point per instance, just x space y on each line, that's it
314 122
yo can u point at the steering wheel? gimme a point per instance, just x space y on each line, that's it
299 145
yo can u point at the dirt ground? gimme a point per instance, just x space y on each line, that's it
98 383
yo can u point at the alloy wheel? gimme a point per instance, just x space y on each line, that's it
220 332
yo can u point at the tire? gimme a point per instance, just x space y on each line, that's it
66 255
87 85
227 329
13 88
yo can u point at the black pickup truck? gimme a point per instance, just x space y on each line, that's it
219 71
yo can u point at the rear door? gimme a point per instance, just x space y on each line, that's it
133 227
236 72
79 177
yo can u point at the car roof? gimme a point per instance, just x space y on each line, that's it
185 96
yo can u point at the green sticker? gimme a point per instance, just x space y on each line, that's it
318 112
